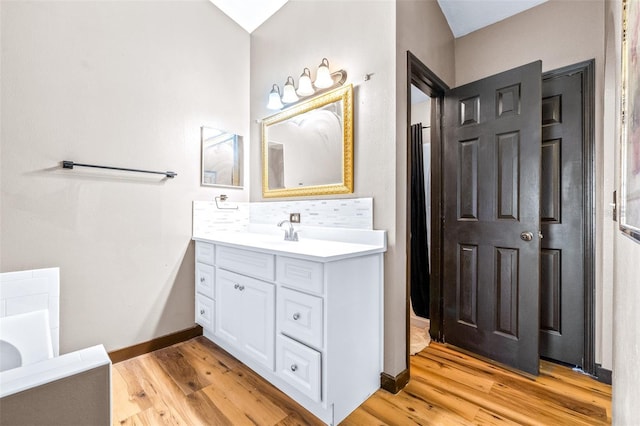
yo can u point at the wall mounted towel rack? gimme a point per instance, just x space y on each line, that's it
222 198
70 165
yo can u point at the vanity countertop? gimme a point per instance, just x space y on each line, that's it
360 243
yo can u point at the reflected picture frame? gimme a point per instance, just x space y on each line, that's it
630 121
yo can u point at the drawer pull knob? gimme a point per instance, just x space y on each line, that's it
241 287
236 286
296 316
294 367
201 311
201 279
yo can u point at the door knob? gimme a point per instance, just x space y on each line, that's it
526 236
296 316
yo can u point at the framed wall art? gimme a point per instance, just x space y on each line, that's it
630 135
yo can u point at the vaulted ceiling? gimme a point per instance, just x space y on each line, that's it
463 16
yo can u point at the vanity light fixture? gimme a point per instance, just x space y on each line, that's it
325 81
274 98
289 92
304 83
323 77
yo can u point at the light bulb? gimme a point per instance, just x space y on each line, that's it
289 92
274 98
304 84
323 78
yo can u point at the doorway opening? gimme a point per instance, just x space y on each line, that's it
424 111
420 146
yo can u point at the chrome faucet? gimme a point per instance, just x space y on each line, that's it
289 234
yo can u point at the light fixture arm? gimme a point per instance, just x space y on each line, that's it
343 77
337 83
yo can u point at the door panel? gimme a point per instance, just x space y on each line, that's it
258 300
491 196
562 222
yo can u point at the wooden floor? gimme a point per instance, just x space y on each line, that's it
197 383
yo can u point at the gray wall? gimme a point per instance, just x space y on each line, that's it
116 83
560 33
625 252
422 29
359 37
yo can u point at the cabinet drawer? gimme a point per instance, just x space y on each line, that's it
300 366
205 280
204 253
300 316
204 312
258 265
300 274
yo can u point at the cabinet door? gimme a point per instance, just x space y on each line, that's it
229 316
245 315
258 308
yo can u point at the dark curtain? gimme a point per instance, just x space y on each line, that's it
419 248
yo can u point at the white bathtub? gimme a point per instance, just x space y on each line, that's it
25 339
37 385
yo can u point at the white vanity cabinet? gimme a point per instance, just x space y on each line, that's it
308 322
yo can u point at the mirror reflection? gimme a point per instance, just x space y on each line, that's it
221 158
308 149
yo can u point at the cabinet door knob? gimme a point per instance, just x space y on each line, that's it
201 279
296 316
201 311
294 367
241 287
236 286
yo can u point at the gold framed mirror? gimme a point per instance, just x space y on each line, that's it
307 149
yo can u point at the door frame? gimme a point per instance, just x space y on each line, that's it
426 80
587 70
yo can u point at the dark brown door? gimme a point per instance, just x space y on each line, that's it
561 216
491 197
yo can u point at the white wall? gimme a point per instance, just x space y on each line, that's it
626 253
360 38
125 84
560 33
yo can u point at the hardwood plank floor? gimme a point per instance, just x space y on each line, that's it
198 383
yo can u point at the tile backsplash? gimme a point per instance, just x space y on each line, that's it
354 213
207 217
